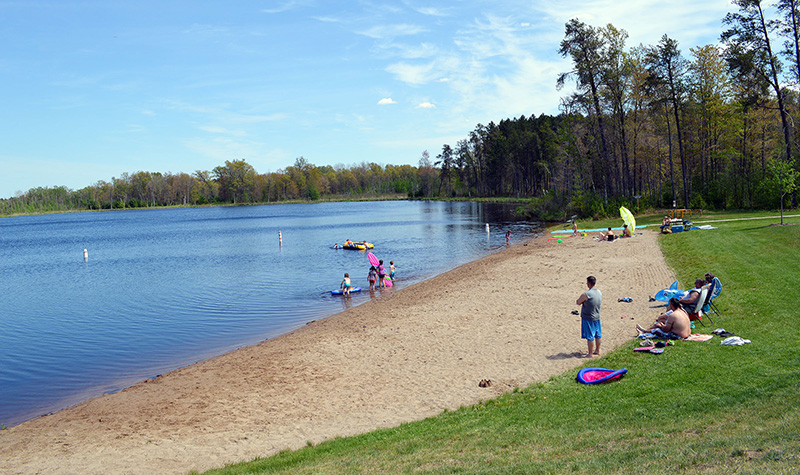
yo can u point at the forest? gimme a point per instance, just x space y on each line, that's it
647 126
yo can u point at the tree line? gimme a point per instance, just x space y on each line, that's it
234 182
646 126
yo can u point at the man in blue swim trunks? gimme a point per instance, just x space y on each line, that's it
590 317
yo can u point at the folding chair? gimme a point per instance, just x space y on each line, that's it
716 287
705 308
696 313
712 291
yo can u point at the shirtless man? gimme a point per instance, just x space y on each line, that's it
607 235
675 326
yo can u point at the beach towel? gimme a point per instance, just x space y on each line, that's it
698 337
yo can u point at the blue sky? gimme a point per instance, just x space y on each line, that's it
92 89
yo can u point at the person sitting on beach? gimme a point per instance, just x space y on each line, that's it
626 233
345 285
710 278
607 235
676 325
691 298
666 224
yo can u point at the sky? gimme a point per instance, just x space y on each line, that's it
93 89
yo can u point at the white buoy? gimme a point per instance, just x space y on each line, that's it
85 254
487 227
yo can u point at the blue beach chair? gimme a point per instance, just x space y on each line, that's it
713 292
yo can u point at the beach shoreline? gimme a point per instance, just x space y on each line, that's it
398 358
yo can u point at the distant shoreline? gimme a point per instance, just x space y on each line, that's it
226 205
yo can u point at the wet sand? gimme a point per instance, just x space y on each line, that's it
406 355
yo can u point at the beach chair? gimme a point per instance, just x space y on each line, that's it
696 312
713 293
706 307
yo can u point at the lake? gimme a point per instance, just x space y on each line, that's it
165 288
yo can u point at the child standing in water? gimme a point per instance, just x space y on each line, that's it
391 270
381 274
372 276
345 285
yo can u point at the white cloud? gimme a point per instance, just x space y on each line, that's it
426 105
386 101
412 73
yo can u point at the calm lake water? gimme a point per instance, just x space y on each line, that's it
162 289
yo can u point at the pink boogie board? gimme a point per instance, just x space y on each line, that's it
373 260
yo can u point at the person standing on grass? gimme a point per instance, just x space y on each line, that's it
590 317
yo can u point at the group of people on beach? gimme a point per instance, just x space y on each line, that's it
610 236
379 273
674 324
376 273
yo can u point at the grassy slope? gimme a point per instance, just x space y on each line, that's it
699 407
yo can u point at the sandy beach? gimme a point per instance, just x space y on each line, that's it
400 357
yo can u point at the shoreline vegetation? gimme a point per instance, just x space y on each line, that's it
419 355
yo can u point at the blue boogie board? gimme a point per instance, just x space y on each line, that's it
340 291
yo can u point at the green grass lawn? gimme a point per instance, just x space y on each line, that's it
699 407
